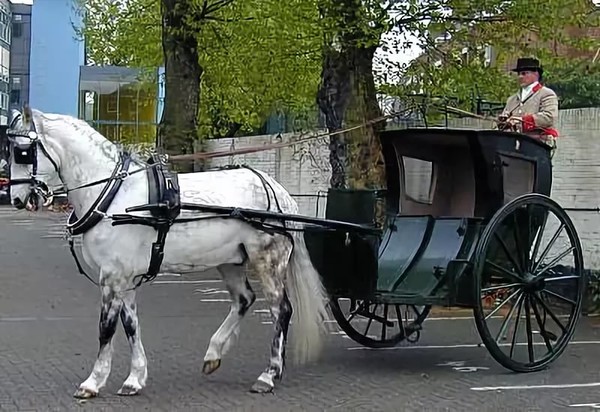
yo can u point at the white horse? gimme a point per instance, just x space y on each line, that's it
67 151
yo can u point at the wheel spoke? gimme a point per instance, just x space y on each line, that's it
561 278
505 271
528 328
400 320
383 324
509 286
508 254
506 321
518 244
538 241
548 247
354 312
541 325
548 311
561 297
555 261
502 304
370 321
514 338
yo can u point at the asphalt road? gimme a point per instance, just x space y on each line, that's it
48 342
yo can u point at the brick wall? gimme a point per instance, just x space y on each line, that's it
304 170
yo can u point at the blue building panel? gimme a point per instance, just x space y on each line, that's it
56 55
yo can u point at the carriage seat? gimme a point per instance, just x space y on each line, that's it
163 190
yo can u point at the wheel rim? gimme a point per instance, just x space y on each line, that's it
376 325
529 283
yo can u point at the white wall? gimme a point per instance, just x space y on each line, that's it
304 169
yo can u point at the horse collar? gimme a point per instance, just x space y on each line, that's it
98 209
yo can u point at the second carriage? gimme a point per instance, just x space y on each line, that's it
467 222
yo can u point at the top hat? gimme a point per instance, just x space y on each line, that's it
528 63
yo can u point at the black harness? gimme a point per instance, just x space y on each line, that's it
164 205
26 154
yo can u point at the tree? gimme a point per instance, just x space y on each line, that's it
178 127
355 28
347 94
254 57
464 45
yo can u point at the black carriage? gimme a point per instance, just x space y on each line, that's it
468 223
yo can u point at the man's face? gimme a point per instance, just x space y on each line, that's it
527 77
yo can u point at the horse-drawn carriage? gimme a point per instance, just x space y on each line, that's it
464 219
465 216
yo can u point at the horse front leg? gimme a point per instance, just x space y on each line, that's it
109 316
138 371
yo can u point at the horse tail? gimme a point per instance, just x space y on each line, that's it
309 303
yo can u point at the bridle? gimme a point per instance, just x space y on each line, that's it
27 154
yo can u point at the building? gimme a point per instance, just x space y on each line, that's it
122 103
46 55
20 49
5 45
43 64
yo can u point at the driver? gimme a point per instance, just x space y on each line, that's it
533 110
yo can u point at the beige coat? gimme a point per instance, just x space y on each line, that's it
539 113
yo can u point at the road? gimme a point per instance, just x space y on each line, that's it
48 342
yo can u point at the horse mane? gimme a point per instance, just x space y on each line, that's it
139 152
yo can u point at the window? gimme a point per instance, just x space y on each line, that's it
4 98
418 179
17 29
518 176
15 96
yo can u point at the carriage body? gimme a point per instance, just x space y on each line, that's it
442 187
463 210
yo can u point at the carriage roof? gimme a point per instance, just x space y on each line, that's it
461 172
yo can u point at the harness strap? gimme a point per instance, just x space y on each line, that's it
96 212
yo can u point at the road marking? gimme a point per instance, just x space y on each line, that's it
182 282
467 345
212 291
226 300
432 319
586 405
526 387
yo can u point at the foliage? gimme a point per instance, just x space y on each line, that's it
257 56
456 33
576 82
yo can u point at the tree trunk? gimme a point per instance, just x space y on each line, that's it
178 127
347 97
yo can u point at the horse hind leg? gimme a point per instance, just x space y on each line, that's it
270 267
281 314
242 297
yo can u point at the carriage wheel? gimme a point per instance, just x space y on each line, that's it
529 283
378 325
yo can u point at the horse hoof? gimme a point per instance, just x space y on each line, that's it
210 366
127 390
261 387
84 393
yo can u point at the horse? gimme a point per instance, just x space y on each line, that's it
53 150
